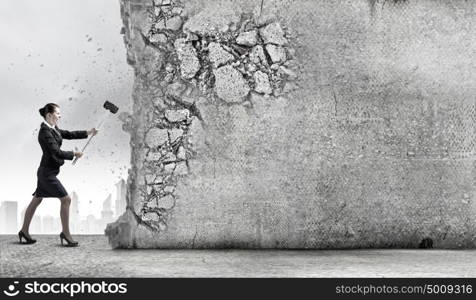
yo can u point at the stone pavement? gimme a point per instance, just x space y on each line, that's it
94 258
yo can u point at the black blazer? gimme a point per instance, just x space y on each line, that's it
50 141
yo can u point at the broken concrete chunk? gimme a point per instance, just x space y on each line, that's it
213 19
153 156
248 38
153 179
152 216
169 157
162 2
158 38
166 202
176 89
251 67
152 204
175 134
175 116
156 137
257 56
181 154
273 34
262 83
189 63
277 53
181 169
169 168
173 23
218 56
157 11
169 189
177 10
191 37
230 85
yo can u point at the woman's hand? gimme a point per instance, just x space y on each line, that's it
93 131
78 154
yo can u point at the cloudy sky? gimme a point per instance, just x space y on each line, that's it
69 52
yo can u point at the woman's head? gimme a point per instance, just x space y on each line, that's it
51 113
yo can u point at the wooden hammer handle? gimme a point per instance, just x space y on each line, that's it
89 140
76 158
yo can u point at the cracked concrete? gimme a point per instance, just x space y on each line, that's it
218 55
230 84
309 125
188 58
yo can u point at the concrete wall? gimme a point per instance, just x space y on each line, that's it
361 134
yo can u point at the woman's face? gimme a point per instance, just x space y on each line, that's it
54 117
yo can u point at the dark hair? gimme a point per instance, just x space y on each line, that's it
48 109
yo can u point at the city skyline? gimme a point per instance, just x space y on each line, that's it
80 223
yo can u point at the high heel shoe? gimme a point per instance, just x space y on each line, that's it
28 240
68 242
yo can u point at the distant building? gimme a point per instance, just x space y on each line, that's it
93 225
84 227
74 217
120 201
48 224
74 208
8 217
22 216
107 214
51 225
35 225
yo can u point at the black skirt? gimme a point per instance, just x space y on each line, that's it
48 185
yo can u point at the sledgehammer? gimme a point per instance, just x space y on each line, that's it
108 106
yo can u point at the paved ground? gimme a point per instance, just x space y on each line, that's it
94 258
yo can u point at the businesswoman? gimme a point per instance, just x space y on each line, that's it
50 138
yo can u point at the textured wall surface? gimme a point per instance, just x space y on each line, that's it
304 124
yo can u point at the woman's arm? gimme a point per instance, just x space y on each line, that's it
73 135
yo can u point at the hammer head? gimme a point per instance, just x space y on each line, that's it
110 107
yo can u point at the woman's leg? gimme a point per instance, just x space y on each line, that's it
64 214
30 211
